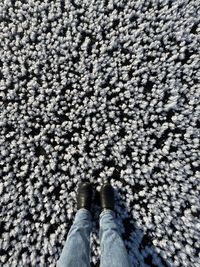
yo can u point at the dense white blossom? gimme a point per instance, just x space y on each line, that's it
98 91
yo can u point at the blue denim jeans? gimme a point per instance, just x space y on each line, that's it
76 251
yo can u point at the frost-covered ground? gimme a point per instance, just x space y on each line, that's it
100 90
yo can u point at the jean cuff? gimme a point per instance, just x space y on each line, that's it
107 211
84 211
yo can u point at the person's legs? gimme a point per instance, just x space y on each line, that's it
113 251
76 251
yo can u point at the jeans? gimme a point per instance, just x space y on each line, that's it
76 251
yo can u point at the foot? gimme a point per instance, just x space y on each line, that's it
84 196
107 197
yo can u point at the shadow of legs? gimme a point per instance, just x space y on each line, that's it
138 243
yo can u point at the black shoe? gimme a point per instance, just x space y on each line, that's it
84 196
107 197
